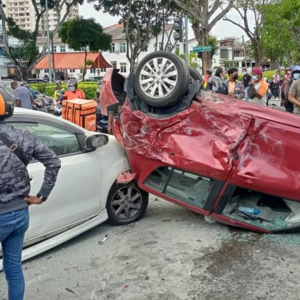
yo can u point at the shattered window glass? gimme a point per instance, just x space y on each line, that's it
181 185
262 210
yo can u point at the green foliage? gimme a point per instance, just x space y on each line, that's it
26 51
269 74
213 42
281 30
84 33
89 88
26 54
141 19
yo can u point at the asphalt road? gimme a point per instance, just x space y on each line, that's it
170 254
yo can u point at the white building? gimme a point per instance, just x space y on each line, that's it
116 57
23 13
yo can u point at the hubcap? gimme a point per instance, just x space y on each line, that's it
158 77
126 202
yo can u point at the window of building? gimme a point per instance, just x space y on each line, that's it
103 69
122 47
62 48
113 48
93 71
225 54
72 70
123 68
54 49
46 71
113 64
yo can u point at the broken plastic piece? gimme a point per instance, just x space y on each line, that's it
103 240
126 177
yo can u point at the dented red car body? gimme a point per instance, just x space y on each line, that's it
216 156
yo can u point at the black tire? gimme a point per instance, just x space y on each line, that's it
134 214
195 75
181 79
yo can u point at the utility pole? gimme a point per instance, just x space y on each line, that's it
245 56
48 41
187 40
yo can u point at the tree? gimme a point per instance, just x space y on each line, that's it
281 31
243 9
26 55
142 20
84 33
204 16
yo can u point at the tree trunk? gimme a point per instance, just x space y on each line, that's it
84 66
257 52
202 37
132 62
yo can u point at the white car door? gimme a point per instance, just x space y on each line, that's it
77 193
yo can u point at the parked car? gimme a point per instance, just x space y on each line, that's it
87 192
228 159
36 80
43 102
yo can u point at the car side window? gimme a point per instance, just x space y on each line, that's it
60 141
187 187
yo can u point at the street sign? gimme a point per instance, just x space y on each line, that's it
202 49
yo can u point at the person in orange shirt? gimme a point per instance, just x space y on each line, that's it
73 92
258 88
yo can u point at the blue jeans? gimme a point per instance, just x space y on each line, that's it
13 226
246 93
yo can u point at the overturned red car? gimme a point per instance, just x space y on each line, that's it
229 159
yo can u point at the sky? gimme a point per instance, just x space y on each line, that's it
221 30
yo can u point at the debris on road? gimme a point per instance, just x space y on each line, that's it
103 240
70 291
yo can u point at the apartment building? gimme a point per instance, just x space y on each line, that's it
22 11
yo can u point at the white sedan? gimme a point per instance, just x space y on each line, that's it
86 193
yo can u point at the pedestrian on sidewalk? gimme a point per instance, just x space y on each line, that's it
246 82
235 88
58 93
22 96
294 93
206 78
218 82
288 105
258 87
17 148
276 84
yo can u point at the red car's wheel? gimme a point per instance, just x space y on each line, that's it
161 79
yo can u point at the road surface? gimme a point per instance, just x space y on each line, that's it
170 254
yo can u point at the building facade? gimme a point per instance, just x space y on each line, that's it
116 56
23 13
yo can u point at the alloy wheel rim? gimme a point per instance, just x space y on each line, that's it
126 203
158 77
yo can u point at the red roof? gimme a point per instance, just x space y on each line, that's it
74 60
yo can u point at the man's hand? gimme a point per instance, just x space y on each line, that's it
33 200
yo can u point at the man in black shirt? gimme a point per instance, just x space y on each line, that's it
246 81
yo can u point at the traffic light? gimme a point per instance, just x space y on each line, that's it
178 28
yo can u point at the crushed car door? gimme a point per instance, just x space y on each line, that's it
194 147
263 189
